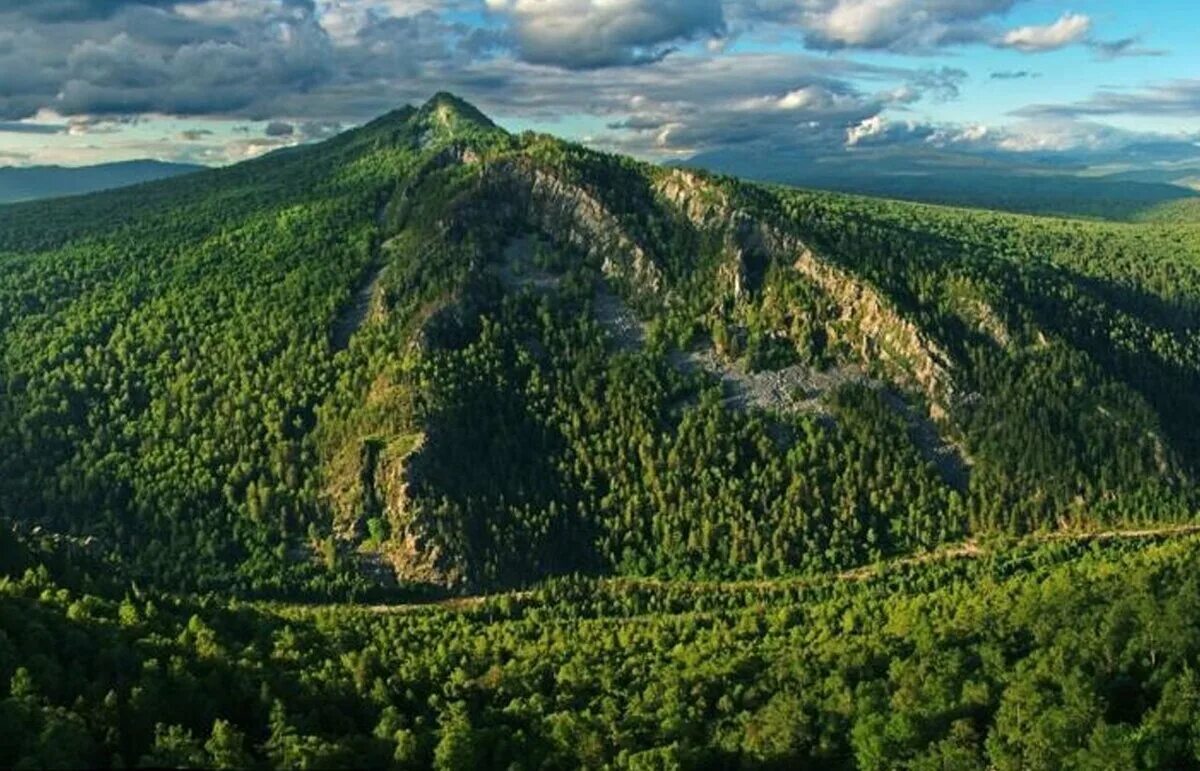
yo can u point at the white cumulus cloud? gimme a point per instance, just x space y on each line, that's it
1070 28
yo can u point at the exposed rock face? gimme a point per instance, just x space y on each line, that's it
519 191
415 549
708 207
877 330
798 388
874 328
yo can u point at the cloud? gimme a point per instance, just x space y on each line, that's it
345 20
1128 46
895 25
320 129
689 103
1070 28
878 130
1014 75
61 11
1059 136
657 78
216 57
278 128
1034 141
79 125
21 127
584 34
126 75
873 126
941 83
1066 139
245 149
1178 98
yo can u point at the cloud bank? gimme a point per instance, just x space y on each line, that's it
659 78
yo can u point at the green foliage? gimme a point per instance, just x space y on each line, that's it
1059 653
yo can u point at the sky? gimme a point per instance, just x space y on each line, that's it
216 81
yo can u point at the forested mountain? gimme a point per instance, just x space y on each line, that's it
27 183
680 418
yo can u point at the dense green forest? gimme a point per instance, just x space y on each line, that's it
1071 653
670 419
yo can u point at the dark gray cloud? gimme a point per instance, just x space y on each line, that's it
1177 98
320 129
942 83
1014 75
691 103
210 57
100 124
58 11
583 34
1127 46
15 127
278 128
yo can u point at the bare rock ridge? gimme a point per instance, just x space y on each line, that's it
521 192
877 330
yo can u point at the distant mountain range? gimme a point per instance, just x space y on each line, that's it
1035 186
28 183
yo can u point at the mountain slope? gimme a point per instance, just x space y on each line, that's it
33 182
427 353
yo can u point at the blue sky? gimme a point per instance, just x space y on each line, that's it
216 81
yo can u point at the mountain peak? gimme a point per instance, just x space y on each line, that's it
443 119
447 112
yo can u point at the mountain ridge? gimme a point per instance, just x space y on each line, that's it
24 183
977 181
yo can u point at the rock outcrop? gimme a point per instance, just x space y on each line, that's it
517 191
873 327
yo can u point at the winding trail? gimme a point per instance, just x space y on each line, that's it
969 549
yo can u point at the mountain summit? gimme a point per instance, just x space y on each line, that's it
450 111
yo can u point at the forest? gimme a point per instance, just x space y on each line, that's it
435 445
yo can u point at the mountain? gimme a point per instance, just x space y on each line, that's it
26 183
1038 186
757 476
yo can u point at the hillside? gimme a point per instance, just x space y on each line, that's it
669 413
28 183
